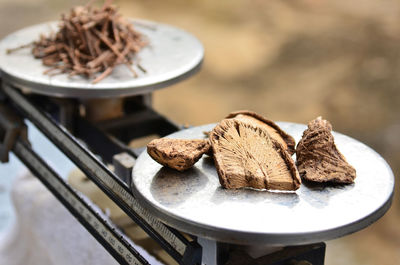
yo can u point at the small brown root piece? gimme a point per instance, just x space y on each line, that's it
179 154
272 128
318 158
246 156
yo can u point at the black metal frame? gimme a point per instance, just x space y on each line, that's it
313 254
107 181
108 139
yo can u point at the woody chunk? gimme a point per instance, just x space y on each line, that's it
246 156
179 154
272 128
318 158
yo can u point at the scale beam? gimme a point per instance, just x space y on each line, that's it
171 240
104 232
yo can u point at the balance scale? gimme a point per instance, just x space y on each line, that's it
187 213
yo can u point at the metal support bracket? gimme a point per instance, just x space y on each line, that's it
11 127
313 254
193 254
123 164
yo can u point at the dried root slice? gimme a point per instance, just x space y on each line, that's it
318 158
272 128
246 156
178 153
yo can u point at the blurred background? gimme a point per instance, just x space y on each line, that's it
289 61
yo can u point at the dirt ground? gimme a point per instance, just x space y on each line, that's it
289 61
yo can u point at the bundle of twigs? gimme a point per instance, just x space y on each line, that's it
90 41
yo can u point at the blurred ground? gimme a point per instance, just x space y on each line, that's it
290 61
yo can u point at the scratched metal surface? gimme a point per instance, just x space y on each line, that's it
194 202
172 55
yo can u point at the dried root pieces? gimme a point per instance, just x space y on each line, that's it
318 158
89 41
247 156
250 151
178 153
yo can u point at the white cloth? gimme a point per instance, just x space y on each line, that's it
45 233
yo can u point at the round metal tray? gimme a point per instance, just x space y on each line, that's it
194 202
172 55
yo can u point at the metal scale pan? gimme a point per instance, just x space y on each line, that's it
194 202
172 55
